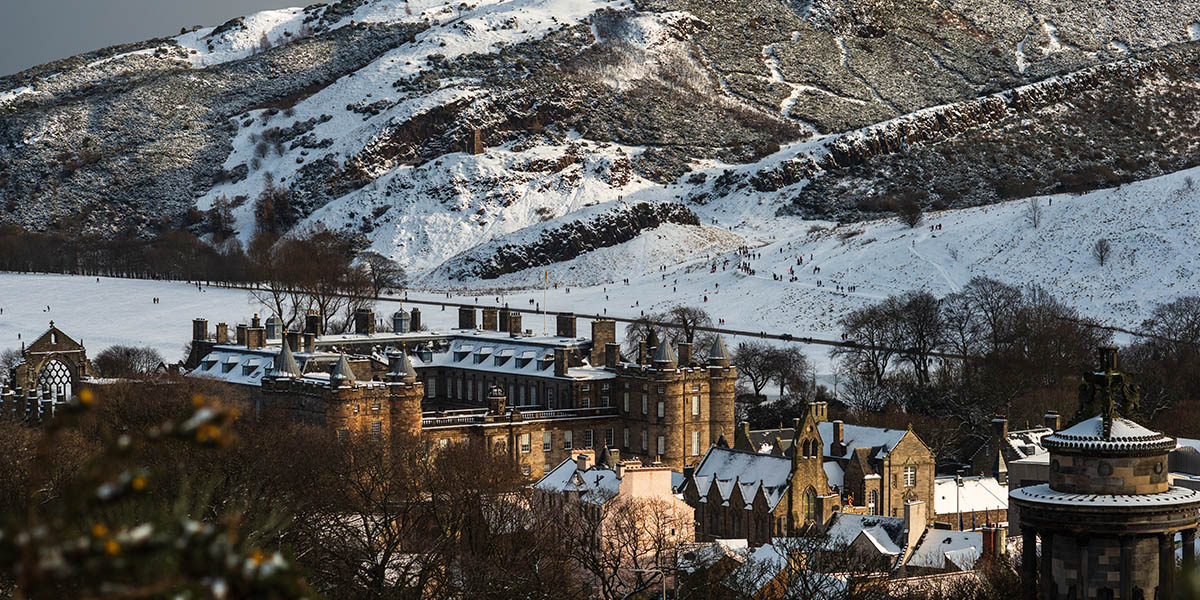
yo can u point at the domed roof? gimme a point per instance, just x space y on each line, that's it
400 313
1122 434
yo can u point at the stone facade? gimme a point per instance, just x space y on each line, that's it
557 400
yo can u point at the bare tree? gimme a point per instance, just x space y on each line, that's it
1033 212
384 273
687 320
872 336
996 303
909 210
753 361
624 545
8 359
126 361
1101 249
919 317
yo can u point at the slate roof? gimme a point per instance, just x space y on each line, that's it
939 546
285 364
752 471
596 485
853 436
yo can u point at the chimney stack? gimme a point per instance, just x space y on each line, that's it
604 332
584 460
414 321
612 355
914 521
254 321
312 323
503 325
310 342
199 330
241 334
565 325
560 362
685 354
364 321
222 333
1052 420
490 319
838 446
514 324
292 339
466 317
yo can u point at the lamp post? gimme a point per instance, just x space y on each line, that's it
662 575
958 484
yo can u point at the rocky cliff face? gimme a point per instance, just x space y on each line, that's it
433 129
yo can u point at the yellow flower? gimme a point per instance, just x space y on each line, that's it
257 556
112 548
197 400
138 484
86 396
99 530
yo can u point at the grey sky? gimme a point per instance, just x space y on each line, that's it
38 31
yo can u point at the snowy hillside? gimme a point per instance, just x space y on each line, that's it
1153 226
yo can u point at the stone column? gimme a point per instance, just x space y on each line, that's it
1029 562
1126 566
1046 569
1189 550
1166 565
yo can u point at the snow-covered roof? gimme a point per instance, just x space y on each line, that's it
1027 442
342 370
1043 494
853 436
508 356
884 532
596 485
1123 435
835 473
752 471
976 494
665 355
705 556
937 546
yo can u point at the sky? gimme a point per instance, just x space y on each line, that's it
33 32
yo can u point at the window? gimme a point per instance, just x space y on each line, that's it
625 399
444 442
696 406
662 409
376 406
356 409
550 397
662 445
603 400
695 443
343 435
470 390
660 390
872 500
810 505
459 385
547 441
525 470
608 438
695 387
499 444
585 402
431 387
587 387
604 387
587 438
910 476
626 438
567 439
521 393
526 444
645 446
377 428
645 404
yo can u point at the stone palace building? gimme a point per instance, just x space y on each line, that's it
537 397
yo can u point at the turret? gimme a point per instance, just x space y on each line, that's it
342 375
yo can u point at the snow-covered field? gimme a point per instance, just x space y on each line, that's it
1153 227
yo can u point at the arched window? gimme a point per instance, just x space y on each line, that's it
810 505
872 498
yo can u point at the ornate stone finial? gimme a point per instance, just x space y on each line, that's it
52 322
1107 392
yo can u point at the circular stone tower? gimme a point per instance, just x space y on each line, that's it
1108 517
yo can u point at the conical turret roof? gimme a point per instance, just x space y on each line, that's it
285 364
402 366
342 371
719 351
665 355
